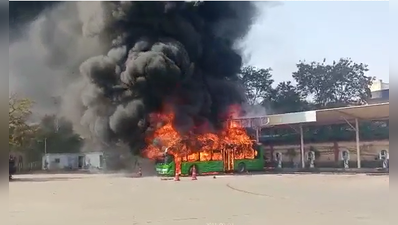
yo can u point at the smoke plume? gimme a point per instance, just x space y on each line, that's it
123 61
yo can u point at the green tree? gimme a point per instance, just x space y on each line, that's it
286 98
20 132
55 135
339 84
257 83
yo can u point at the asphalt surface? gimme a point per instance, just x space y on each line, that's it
233 200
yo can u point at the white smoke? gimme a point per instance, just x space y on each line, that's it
254 110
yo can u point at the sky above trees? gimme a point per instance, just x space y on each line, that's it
293 31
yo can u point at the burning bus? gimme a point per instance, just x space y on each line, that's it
228 158
230 150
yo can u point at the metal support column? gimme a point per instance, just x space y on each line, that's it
45 146
257 135
302 153
357 142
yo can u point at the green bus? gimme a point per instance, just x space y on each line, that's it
226 162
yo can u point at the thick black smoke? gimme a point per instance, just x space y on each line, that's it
178 56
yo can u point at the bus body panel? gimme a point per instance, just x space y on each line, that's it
168 169
256 164
202 166
165 169
251 164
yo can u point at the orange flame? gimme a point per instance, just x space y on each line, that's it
201 147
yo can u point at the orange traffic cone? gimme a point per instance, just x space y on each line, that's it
194 173
139 171
177 177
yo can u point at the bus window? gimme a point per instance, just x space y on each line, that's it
205 156
159 160
239 153
257 149
216 156
193 157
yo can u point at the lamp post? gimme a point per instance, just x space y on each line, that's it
45 144
57 101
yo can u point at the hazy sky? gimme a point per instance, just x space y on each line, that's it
312 31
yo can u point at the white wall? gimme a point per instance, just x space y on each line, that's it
71 161
93 159
379 85
65 161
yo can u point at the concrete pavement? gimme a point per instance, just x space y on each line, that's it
234 200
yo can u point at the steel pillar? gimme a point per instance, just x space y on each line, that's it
358 144
302 153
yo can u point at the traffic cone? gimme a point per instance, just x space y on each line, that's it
139 171
194 173
177 177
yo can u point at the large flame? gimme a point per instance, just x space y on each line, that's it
199 147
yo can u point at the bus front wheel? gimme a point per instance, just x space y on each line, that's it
191 170
242 168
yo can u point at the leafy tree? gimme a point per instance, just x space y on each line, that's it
58 136
20 132
286 98
257 83
339 84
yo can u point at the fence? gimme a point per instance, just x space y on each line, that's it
29 167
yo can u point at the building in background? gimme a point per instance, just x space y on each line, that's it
62 161
73 161
94 160
380 92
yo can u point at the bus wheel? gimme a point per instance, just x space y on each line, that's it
191 170
242 168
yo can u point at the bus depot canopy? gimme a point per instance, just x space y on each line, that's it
370 112
292 118
350 115
340 115
277 119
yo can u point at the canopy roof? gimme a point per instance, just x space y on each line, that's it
363 112
369 112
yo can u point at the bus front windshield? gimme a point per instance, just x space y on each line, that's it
168 158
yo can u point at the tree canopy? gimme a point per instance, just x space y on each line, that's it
55 135
319 85
286 98
257 84
19 130
338 84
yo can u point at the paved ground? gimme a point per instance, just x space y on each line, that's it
243 200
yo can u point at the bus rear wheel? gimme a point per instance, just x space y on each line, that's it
242 168
191 170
